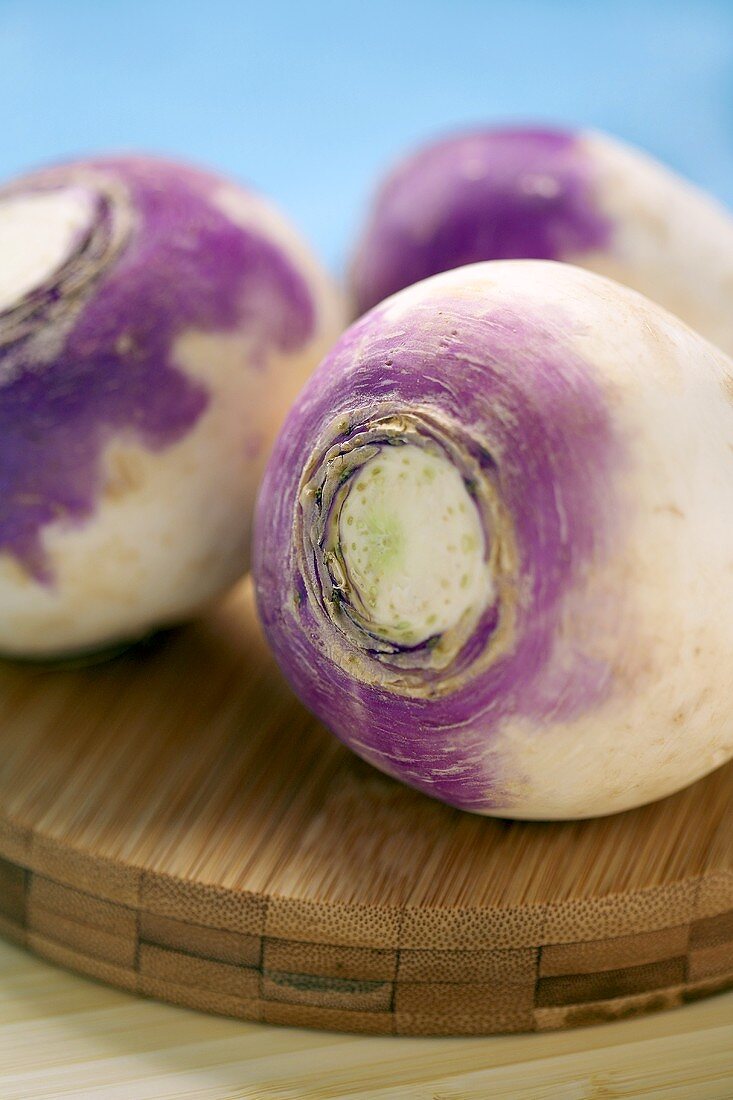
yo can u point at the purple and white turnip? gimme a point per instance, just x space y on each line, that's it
551 194
494 543
155 323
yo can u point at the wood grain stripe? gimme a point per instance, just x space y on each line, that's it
12 892
329 960
198 973
712 931
590 956
201 999
711 962
15 842
83 938
197 939
479 999
77 905
606 985
83 963
11 930
343 993
331 1019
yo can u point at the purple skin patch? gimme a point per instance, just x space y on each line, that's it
497 195
512 383
185 266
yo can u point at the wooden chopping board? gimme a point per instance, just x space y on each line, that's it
174 823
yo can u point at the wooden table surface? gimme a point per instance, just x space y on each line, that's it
66 1036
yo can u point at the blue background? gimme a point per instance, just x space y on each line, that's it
311 101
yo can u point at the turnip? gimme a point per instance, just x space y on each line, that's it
494 543
155 322
553 195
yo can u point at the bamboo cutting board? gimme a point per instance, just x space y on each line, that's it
174 823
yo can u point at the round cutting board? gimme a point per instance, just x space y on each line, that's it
174 823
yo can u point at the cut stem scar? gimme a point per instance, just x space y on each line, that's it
39 233
412 545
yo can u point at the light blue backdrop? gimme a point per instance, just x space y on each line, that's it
310 101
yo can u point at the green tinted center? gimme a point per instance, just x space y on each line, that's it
412 545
